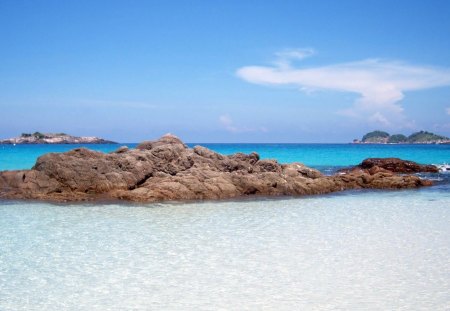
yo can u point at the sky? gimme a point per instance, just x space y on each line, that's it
225 71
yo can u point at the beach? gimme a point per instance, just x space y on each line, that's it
225 155
364 249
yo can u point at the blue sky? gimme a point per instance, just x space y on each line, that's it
225 71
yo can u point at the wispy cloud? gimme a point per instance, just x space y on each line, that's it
381 84
448 110
285 57
226 121
444 127
380 119
112 103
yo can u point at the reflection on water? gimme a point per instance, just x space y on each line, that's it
361 250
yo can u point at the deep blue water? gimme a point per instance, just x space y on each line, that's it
317 155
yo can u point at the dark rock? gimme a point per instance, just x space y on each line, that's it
122 149
398 165
166 169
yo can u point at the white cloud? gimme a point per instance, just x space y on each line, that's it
226 121
448 111
381 84
285 57
378 118
295 53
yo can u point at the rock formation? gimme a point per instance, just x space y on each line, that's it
166 169
398 166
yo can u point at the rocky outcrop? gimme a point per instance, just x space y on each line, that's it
397 165
166 169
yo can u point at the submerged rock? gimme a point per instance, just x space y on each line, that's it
166 169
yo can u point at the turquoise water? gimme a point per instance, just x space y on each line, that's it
355 250
24 156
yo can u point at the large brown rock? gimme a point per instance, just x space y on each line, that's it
166 169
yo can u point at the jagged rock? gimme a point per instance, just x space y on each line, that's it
166 169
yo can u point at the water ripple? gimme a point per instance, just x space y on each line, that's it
371 251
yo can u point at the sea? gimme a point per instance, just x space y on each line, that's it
353 250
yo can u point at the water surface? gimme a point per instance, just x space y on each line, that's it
366 251
318 155
355 250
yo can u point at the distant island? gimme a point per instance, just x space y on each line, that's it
54 138
422 137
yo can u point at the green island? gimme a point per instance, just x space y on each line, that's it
421 137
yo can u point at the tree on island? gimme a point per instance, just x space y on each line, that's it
422 137
35 134
397 138
376 137
38 135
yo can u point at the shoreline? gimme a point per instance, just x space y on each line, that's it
241 199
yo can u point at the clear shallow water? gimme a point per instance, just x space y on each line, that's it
377 250
365 251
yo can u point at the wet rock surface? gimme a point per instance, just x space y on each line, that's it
166 169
